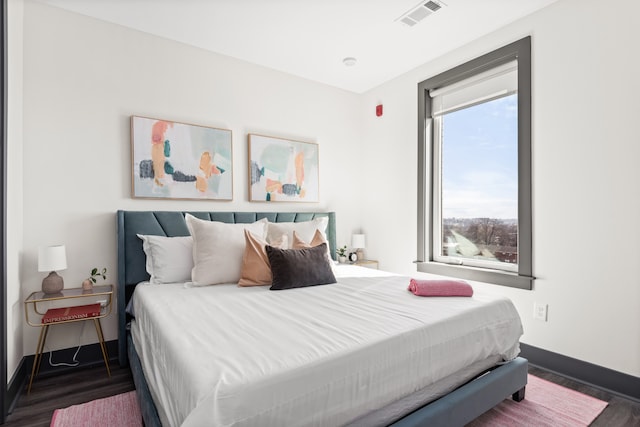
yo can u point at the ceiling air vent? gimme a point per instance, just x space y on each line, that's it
432 6
419 12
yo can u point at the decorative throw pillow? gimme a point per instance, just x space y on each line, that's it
299 243
318 239
297 268
256 270
169 259
305 229
218 248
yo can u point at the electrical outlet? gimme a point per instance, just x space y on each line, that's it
540 311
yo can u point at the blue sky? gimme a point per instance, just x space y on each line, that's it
480 161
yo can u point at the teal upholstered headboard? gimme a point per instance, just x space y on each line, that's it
131 257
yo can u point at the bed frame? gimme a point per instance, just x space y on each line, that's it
454 409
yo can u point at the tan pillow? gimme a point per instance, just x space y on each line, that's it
298 243
305 229
317 239
256 270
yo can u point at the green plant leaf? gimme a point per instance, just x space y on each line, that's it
94 271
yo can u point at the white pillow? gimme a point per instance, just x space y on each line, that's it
305 230
218 248
169 259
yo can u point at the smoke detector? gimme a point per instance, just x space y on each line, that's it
349 61
420 11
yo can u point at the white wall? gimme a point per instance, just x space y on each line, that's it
585 177
84 78
15 311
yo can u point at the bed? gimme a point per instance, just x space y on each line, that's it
352 374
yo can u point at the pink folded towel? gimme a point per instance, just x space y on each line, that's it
440 288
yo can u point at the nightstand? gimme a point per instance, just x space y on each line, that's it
69 305
369 263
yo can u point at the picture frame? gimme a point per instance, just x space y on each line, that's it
282 170
173 160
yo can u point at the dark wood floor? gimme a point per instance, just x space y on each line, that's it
80 385
85 384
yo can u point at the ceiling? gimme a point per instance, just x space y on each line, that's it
310 38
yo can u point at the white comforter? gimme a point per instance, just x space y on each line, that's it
319 356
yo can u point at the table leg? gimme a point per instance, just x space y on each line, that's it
103 347
44 340
38 356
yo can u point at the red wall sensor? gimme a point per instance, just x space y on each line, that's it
379 110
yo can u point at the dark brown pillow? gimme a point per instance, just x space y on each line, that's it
297 268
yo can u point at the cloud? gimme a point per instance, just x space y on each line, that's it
481 194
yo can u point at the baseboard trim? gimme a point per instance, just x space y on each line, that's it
89 355
15 386
618 383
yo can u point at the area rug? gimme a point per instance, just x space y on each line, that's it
545 405
121 410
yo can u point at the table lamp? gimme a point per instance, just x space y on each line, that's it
357 243
52 258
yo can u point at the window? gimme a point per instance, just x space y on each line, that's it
474 146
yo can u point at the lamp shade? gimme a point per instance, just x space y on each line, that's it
52 258
357 241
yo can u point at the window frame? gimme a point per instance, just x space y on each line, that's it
427 181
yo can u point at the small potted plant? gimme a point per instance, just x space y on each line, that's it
342 254
87 284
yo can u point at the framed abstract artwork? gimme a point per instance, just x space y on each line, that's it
282 170
174 160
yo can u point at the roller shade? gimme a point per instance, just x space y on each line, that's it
491 84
